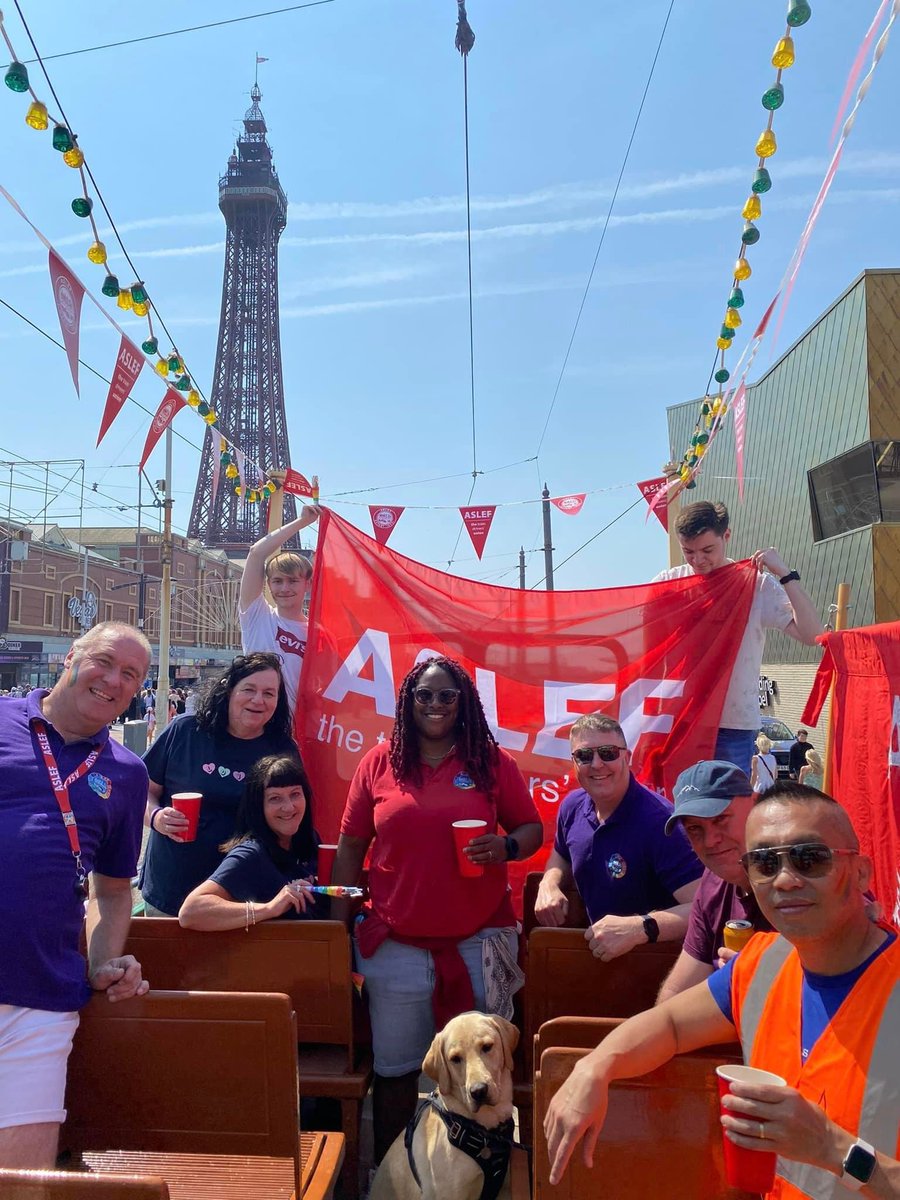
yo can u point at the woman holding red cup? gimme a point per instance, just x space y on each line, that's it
439 927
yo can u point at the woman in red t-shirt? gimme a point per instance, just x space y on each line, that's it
431 942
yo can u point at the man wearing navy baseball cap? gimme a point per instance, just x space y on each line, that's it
712 803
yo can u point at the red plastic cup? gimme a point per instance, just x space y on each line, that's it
748 1170
188 803
325 863
463 832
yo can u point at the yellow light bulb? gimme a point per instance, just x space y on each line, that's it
162 368
723 343
783 54
140 310
193 399
766 146
700 450
73 157
732 318
742 269
210 418
752 209
231 471
97 253
36 117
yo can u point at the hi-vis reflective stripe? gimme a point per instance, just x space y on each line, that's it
770 963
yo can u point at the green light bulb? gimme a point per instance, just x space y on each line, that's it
773 97
721 376
798 13
62 139
150 346
762 181
110 286
736 299
16 77
81 206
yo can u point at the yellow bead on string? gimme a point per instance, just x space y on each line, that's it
36 117
732 318
73 157
783 54
97 253
752 209
766 146
742 269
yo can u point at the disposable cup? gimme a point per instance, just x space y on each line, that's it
463 832
325 863
188 803
748 1170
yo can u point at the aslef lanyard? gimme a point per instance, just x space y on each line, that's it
61 792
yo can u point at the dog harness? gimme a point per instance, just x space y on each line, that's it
490 1148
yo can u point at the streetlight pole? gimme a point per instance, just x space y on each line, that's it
521 566
548 539
165 605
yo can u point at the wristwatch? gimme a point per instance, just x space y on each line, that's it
651 928
791 577
512 848
859 1165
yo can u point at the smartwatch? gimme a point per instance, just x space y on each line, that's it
512 848
859 1165
791 577
651 928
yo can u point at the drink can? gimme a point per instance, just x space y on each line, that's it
737 934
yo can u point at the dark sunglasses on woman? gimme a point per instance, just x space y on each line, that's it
584 756
812 860
445 696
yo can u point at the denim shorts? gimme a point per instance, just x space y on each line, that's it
399 984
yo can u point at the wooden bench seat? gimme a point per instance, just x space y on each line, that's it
198 1088
78 1185
309 961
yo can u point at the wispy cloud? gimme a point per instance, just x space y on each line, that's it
358 280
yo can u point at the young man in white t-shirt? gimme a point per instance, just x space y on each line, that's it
779 602
282 629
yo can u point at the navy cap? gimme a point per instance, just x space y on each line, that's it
706 789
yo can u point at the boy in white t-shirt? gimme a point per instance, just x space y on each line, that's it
779 602
282 629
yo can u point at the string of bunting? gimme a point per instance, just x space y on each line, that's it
68 293
715 406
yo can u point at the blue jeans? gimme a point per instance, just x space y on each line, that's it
736 746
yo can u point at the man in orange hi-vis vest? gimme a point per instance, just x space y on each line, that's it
817 1003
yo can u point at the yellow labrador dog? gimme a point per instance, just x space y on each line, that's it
458 1143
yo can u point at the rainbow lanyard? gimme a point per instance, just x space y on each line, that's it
61 792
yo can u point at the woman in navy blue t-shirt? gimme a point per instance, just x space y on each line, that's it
274 846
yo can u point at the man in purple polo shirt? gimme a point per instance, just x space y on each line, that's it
56 758
636 884
712 803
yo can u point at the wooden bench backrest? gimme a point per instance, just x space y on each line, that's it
576 918
77 1185
573 1033
661 1136
307 960
178 1072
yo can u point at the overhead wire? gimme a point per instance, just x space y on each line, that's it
593 537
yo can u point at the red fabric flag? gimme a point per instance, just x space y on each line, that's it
864 665
171 403
384 518
656 656
570 505
129 362
68 294
654 492
478 523
297 484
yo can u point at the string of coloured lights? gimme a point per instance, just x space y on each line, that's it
714 406
170 367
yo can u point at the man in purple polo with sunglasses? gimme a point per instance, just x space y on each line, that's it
636 883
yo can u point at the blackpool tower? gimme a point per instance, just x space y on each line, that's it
248 390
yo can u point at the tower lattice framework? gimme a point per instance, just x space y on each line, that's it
248 390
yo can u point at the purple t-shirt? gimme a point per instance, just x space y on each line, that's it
625 865
40 912
714 903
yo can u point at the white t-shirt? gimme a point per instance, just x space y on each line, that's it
262 629
766 771
770 609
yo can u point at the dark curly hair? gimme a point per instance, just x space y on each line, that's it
475 744
212 708
275 770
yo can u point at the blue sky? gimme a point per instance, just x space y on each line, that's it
363 99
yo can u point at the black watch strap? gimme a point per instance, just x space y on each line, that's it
512 848
651 928
791 577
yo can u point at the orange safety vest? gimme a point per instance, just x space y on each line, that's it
853 1070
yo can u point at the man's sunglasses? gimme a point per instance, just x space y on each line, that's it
445 696
584 756
812 860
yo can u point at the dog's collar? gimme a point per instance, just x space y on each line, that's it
490 1148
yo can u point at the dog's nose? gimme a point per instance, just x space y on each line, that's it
478 1092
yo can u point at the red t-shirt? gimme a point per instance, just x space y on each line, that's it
414 882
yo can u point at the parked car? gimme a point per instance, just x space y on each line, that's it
782 739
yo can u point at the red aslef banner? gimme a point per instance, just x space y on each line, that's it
298 485
650 489
864 665
129 362
478 524
658 657
384 520
570 505
68 293
172 403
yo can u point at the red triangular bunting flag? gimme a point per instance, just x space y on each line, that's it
384 518
297 484
478 522
68 294
172 402
570 505
739 409
128 366
649 489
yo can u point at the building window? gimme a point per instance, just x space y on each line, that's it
844 492
132 620
132 591
49 571
179 568
110 584
15 606
107 612
49 609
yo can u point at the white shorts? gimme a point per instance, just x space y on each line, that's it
34 1050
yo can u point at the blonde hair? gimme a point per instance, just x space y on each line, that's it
814 760
763 744
287 562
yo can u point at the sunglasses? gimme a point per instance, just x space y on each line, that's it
445 696
812 860
584 756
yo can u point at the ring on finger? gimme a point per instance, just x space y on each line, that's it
762 1130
